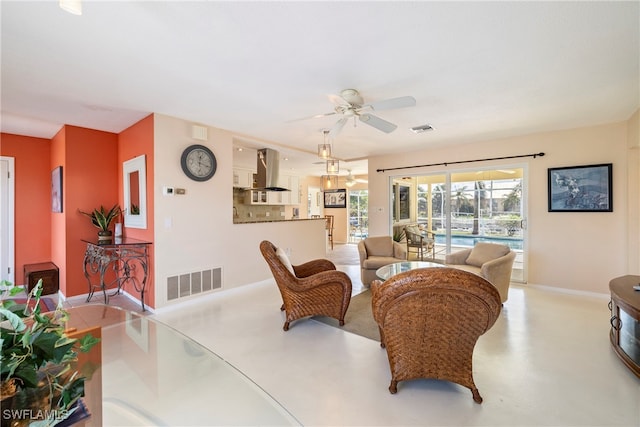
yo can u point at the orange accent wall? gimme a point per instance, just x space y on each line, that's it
133 142
90 180
32 199
91 163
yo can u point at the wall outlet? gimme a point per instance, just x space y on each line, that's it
267 213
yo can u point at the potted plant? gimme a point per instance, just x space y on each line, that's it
38 380
102 219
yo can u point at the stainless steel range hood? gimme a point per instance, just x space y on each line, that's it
268 170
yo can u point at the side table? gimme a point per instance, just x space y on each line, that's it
625 321
116 263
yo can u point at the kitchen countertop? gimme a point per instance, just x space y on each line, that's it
257 221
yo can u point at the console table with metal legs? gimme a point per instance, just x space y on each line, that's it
113 264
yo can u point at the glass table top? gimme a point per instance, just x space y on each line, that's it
399 267
151 374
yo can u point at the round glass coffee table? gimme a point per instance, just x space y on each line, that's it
399 267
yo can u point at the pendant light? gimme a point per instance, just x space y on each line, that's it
324 149
329 182
333 167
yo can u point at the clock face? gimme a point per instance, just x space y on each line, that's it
198 162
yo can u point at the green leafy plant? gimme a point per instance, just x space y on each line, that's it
37 360
398 235
101 218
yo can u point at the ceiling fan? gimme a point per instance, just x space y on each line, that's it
351 104
351 180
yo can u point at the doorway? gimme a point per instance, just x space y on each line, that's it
7 224
465 207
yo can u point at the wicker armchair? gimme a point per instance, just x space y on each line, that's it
430 320
314 288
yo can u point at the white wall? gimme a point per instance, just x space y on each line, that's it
633 192
579 251
195 231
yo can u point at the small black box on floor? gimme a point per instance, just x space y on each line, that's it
47 271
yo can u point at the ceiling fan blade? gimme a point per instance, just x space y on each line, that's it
377 123
389 104
317 116
338 127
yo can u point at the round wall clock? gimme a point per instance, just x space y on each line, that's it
198 162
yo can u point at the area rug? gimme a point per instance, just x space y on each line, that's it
46 304
359 318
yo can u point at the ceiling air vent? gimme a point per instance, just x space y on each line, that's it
420 129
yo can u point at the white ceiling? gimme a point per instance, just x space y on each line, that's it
478 70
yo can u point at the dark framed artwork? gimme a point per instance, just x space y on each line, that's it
56 189
581 188
335 198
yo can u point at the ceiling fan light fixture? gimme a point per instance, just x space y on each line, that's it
422 128
350 182
72 6
333 166
329 182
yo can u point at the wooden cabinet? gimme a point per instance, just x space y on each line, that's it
625 321
47 271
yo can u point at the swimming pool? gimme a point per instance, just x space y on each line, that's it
470 241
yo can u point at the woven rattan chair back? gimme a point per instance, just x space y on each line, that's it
315 288
430 320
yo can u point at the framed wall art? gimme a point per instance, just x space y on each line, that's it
335 198
581 188
56 190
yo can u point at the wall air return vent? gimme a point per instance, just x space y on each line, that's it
198 282
199 133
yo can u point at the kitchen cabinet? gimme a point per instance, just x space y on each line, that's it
242 178
256 197
291 197
276 198
294 186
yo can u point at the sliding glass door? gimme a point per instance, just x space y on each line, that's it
463 208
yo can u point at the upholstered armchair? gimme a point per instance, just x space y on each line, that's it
430 320
376 252
491 261
314 288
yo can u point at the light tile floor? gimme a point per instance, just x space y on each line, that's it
546 362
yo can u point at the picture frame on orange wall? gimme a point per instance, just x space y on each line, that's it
56 190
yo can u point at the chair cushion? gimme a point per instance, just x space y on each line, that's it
379 246
413 229
285 260
483 252
375 262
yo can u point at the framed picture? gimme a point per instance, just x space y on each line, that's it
56 189
580 189
335 198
